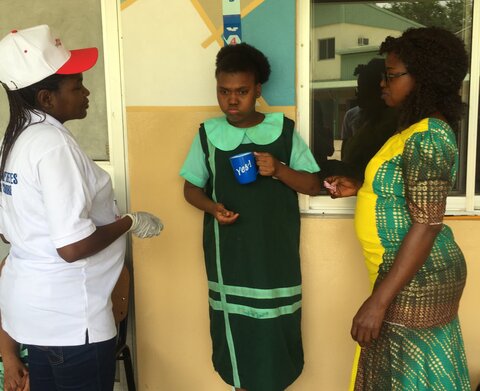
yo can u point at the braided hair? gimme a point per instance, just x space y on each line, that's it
22 103
438 62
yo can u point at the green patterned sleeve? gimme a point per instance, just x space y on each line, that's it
429 169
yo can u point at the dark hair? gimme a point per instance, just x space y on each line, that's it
369 89
243 58
22 103
438 62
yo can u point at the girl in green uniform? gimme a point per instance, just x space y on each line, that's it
251 231
408 328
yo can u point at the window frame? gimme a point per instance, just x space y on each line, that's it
116 166
324 205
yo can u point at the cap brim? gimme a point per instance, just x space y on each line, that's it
81 60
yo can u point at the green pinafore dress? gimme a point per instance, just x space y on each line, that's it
253 270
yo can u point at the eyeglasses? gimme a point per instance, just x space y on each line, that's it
386 77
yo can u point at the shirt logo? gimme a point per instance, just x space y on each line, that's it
8 179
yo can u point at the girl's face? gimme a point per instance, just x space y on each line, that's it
397 82
70 100
237 94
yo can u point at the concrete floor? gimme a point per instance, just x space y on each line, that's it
120 381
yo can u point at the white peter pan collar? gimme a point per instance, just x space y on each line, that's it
227 137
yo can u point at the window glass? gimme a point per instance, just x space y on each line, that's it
339 86
78 24
326 48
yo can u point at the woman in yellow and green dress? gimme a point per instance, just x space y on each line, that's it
408 328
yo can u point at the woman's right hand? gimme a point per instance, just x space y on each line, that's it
368 321
223 215
342 186
16 376
145 225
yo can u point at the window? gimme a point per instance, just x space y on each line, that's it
326 48
327 91
362 41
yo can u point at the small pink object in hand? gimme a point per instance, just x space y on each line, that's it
329 186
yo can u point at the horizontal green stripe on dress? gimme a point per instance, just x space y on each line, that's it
255 293
252 312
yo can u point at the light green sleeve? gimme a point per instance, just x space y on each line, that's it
194 169
301 158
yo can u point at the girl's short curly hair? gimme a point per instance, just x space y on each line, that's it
438 62
243 58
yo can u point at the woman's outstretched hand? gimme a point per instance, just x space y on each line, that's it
145 225
341 186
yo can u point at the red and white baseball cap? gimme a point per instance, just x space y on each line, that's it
30 55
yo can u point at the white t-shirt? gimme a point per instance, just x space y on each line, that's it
54 195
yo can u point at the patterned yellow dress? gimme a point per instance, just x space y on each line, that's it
420 346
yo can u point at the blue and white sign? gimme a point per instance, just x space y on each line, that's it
232 22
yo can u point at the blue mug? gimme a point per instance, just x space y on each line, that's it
244 167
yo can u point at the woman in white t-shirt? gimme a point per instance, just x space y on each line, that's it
58 213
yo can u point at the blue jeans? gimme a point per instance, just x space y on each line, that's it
89 367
